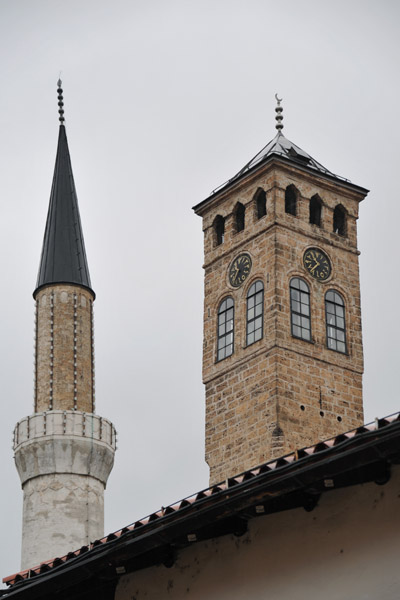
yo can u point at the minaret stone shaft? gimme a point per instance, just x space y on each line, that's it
64 453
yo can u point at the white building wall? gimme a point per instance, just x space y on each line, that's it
348 547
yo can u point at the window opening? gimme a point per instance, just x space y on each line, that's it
339 220
261 203
255 312
315 210
300 309
291 200
239 216
219 226
225 328
335 322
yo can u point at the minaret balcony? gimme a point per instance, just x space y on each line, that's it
64 442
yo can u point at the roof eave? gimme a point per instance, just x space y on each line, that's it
198 208
359 456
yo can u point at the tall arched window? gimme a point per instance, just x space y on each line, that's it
219 230
260 198
255 312
339 220
239 216
300 309
335 321
225 328
291 200
315 210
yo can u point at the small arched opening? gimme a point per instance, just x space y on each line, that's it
240 212
340 220
260 198
315 210
291 195
219 230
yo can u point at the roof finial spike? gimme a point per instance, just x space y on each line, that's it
279 115
60 102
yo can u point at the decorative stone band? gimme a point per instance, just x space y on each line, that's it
64 442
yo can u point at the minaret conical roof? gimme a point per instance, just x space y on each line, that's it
63 257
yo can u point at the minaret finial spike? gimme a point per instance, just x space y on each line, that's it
279 115
60 101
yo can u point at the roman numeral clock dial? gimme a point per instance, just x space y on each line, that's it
317 263
239 270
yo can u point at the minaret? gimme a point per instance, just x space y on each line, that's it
64 453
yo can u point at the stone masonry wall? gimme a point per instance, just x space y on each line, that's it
281 392
273 403
64 373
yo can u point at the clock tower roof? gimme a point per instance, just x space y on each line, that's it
281 146
284 150
63 257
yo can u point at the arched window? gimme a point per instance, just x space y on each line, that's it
300 309
315 210
291 200
225 328
335 321
339 220
239 216
260 198
255 312
219 230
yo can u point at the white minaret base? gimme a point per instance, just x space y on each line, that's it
64 459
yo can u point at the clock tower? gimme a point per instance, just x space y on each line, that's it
282 354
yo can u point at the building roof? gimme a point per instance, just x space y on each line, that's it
282 149
281 146
294 480
63 257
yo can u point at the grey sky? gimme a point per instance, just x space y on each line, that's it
164 101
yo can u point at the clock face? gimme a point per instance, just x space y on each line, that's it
317 264
239 270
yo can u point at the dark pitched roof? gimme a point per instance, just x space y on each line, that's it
295 480
282 148
63 257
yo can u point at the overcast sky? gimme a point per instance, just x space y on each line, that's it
164 101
